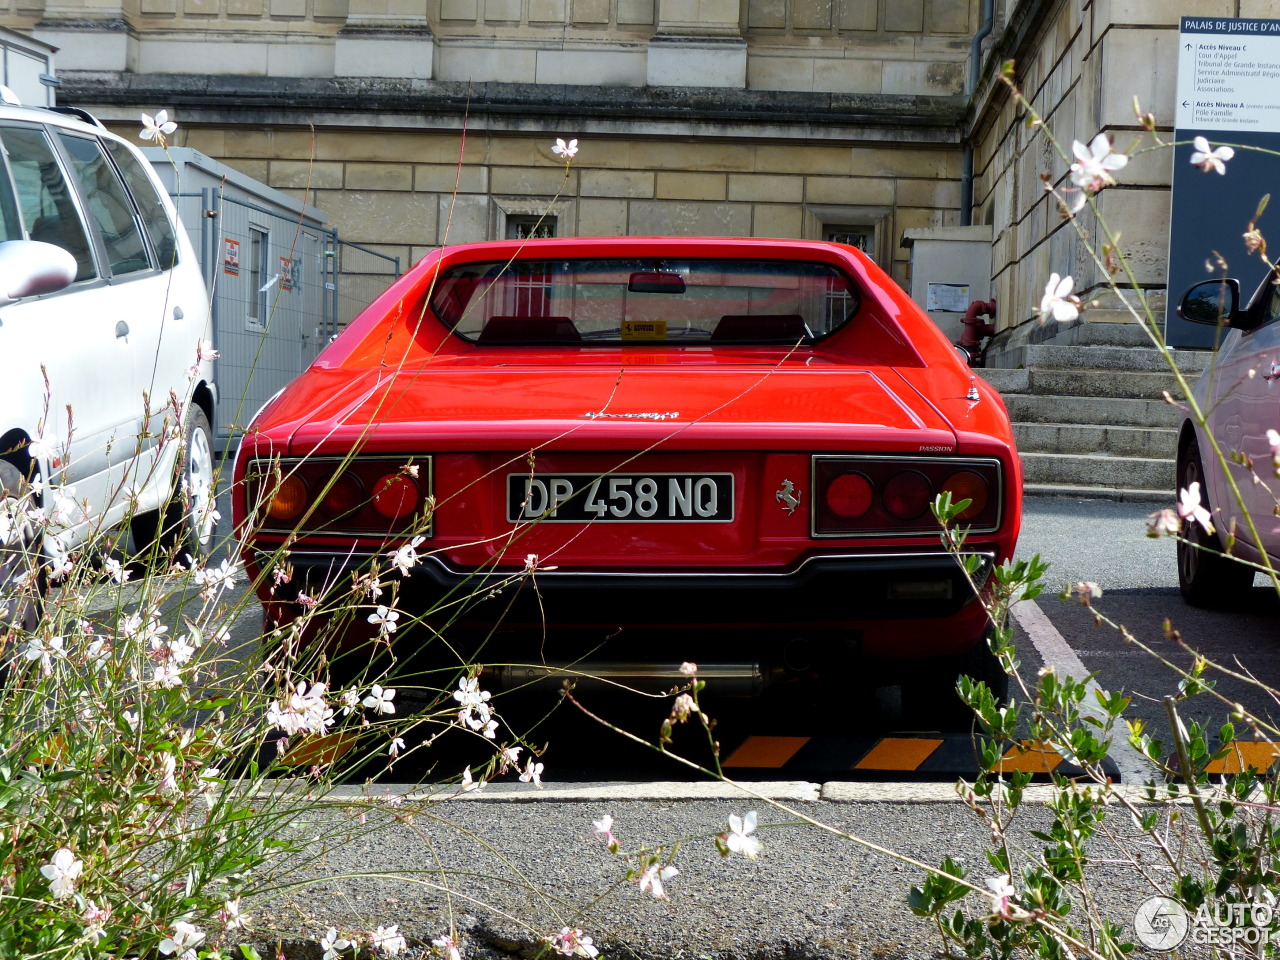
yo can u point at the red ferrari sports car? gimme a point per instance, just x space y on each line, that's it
608 456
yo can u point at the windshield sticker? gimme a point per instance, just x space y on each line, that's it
644 329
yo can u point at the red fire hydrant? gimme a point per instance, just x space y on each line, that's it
973 329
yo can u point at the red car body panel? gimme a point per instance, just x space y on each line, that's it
886 384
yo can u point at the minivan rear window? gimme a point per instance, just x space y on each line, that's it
109 205
154 217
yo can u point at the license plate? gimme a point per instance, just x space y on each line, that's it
620 498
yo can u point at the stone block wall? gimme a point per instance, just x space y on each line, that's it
896 47
395 191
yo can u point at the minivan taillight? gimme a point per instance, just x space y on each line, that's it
888 496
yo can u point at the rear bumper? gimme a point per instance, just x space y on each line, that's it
851 619
830 590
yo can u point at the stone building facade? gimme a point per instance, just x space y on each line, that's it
419 122
1083 65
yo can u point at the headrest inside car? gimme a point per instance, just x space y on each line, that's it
760 326
529 329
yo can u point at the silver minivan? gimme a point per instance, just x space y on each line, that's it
106 374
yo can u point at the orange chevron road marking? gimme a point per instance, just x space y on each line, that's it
766 752
897 753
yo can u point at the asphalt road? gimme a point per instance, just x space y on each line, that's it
1107 543
503 866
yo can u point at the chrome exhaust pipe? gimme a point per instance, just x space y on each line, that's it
724 679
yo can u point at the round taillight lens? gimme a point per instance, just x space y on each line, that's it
344 496
967 485
849 496
288 499
395 496
906 495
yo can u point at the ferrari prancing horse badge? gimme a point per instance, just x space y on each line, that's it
788 496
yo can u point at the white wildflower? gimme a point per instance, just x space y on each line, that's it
388 940
385 618
532 773
572 942
1095 164
1189 507
448 946
1058 301
37 649
231 915
406 557
115 569
739 839
62 872
333 945
186 937
379 700
1209 159
654 879
158 127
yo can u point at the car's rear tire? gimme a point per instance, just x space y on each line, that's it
1205 578
980 663
183 528
930 700
21 599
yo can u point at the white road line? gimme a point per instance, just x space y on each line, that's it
1057 653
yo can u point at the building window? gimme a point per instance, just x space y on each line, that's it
257 299
861 237
530 227
527 218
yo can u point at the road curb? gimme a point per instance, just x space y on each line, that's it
788 791
797 791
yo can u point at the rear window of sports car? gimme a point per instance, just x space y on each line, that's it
644 301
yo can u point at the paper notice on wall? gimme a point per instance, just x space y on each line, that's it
231 257
948 298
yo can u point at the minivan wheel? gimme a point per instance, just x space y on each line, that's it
1205 578
184 527
23 578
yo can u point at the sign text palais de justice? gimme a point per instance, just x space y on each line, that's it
1227 73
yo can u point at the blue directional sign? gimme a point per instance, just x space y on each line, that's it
1229 93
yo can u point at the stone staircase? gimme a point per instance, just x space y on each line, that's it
1090 419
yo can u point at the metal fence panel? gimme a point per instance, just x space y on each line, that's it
281 289
268 288
362 275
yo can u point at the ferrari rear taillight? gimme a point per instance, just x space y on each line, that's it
346 494
396 496
907 494
892 496
850 495
968 485
375 495
288 498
